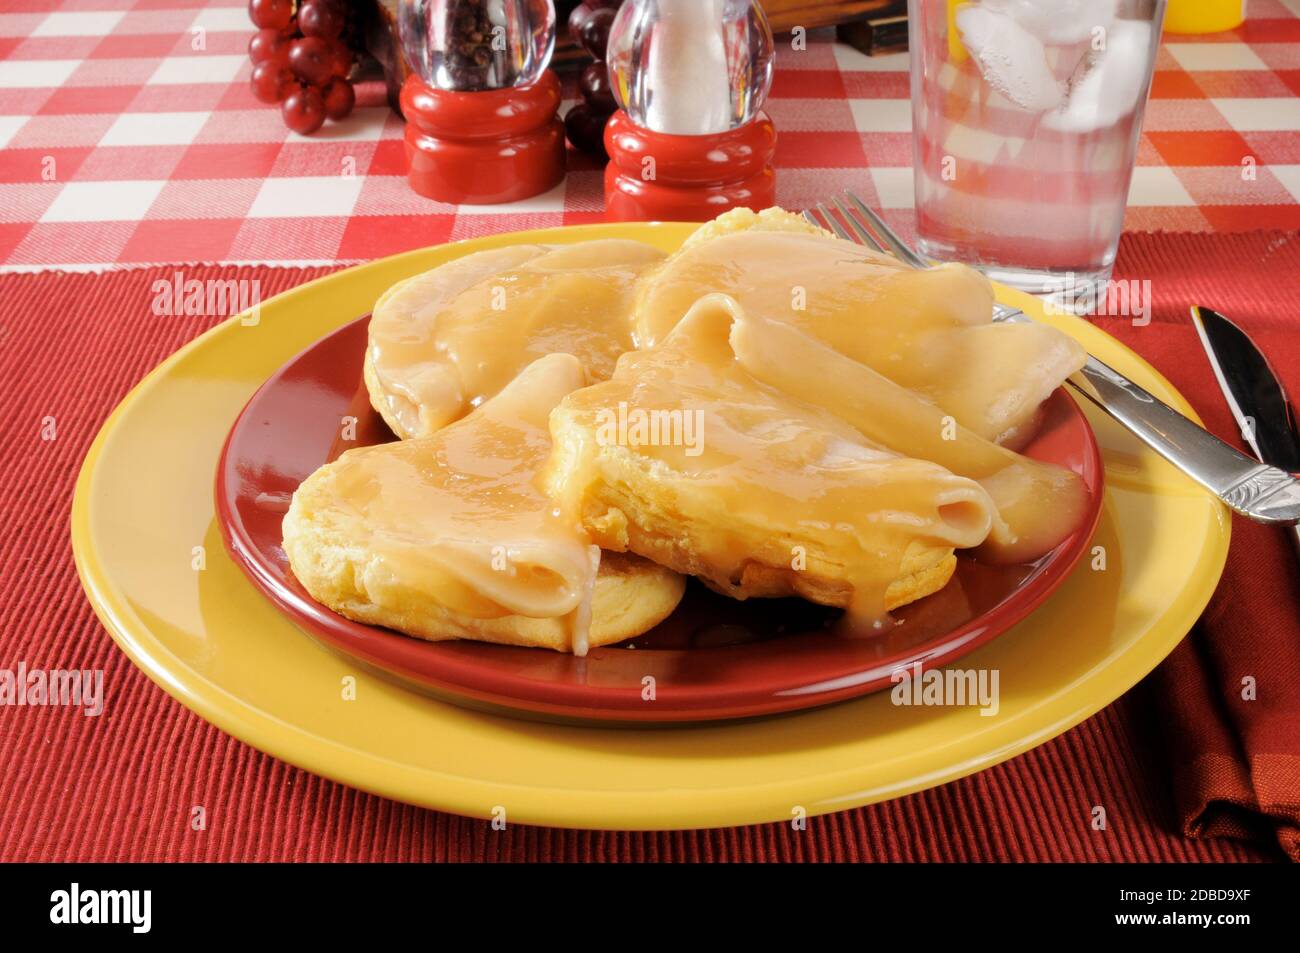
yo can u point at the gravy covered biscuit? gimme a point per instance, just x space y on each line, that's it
930 331
450 536
444 341
686 458
1036 504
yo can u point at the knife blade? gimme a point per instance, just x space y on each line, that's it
1254 392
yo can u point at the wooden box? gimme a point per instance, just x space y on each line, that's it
785 15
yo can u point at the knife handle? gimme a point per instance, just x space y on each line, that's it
1248 487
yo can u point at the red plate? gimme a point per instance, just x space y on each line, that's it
713 658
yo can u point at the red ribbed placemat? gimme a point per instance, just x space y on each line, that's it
122 786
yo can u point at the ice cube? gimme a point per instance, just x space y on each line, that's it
1012 60
1058 21
1109 83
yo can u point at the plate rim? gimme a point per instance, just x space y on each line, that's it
603 810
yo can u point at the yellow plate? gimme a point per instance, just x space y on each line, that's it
144 502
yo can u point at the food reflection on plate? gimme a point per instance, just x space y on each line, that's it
775 412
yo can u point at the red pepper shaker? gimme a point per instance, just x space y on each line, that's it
481 106
691 140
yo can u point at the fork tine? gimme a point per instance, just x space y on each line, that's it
888 235
810 217
833 223
864 236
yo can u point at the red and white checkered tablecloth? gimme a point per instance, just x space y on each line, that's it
129 135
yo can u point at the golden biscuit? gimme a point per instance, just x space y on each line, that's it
1037 504
449 536
631 596
930 331
685 458
444 341
628 510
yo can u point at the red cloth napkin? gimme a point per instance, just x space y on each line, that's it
1234 759
123 786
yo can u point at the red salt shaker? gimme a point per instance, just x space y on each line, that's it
481 107
691 140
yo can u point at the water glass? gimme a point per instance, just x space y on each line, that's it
1026 118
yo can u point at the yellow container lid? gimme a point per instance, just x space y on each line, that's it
1204 16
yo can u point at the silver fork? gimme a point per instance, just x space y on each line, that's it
1248 487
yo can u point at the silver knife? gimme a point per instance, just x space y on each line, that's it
1254 392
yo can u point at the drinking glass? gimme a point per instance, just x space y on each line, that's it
1026 116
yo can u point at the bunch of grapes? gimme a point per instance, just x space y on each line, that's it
301 60
589 24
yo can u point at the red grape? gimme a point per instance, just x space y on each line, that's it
339 97
341 59
310 59
270 81
596 89
271 14
577 18
586 129
593 34
303 110
269 45
319 19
